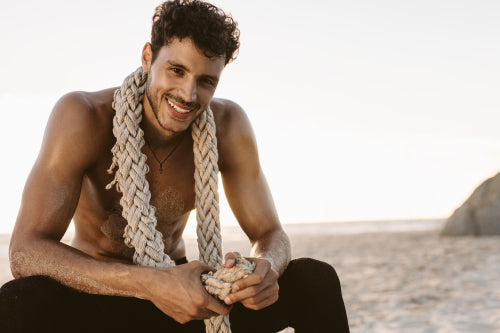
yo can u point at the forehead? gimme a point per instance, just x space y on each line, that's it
184 52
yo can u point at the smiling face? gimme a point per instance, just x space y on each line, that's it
181 83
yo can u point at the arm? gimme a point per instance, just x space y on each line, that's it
71 144
251 201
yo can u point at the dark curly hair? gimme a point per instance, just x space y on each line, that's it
211 30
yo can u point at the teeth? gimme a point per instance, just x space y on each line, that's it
178 109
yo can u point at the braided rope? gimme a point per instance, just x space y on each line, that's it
130 179
207 201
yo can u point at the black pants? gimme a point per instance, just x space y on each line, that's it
310 300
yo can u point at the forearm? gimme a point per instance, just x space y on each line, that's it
274 246
76 269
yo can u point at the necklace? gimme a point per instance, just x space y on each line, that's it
168 155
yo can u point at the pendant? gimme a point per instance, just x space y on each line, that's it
161 169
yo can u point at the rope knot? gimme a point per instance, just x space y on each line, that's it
219 284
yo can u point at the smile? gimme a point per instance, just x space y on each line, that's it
178 109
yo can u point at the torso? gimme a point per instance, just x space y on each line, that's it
98 221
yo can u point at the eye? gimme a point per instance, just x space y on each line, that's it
209 82
177 71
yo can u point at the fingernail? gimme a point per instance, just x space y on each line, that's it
227 300
235 288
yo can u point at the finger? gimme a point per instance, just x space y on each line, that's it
206 314
263 304
254 294
253 279
183 316
243 294
230 259
269 292
217 307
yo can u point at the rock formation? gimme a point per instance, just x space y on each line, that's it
479 214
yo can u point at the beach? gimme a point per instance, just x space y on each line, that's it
395 276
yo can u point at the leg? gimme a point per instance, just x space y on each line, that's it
41 304
310 301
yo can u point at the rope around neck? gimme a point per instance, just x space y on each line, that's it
130 179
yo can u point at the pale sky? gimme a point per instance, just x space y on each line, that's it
362 109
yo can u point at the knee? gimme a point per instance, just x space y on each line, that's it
308 271
29 294
313 267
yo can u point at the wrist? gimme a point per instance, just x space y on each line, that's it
140 278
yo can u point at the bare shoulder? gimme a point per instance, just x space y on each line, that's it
79 108
235 137
230 119
79 124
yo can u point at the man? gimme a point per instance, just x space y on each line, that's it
93 285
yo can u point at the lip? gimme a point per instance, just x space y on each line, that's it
176 114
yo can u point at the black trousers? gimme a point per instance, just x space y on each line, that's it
310 300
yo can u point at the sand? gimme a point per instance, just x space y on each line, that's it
398 281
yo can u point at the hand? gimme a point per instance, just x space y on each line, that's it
257 290
179 293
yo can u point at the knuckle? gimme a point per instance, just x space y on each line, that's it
192 313
200 301
253 291
195 263
253 307
258 279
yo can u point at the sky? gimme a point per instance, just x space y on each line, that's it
362 109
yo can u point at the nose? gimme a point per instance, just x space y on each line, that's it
189 90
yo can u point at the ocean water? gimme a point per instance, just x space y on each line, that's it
355 227
235 233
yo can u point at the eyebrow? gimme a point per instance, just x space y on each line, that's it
211 77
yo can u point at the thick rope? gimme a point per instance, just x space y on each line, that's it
220 283
130 179
207 201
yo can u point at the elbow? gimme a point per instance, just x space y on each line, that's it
286 246
17 266
19 261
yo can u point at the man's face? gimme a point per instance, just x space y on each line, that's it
181 83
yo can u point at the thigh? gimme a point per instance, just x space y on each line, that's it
39 304
31 302
310 300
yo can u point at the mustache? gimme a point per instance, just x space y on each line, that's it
179 100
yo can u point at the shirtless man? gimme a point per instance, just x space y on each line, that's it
93 285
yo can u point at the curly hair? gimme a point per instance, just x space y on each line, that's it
211 30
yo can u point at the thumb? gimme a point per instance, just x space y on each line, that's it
230 259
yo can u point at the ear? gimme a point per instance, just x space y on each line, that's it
147 56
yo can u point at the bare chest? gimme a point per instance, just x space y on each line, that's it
171 194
